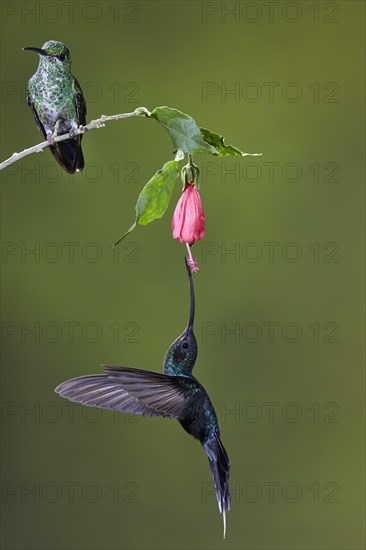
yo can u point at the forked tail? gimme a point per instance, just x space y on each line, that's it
220 468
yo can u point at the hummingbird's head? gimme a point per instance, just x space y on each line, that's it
182 354
54 53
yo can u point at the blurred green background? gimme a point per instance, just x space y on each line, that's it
288 379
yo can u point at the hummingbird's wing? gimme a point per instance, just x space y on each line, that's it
129 390
36 117
79 102
68 153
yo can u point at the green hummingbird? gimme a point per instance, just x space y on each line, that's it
57 103
174 394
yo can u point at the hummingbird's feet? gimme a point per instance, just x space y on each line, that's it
73 133
56 132
51 139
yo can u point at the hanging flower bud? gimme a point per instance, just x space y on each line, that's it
188 222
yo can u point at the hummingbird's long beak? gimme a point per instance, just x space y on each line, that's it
192 298
38 50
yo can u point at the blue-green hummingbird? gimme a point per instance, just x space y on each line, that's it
57 103
174 394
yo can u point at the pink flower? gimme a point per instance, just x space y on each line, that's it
188 222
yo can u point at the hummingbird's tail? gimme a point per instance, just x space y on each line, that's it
69 154
220 468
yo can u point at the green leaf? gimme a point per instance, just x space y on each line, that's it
183 131
155 196
223 150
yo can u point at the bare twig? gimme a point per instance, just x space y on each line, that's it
98 123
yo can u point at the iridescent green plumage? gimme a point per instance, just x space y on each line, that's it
57 103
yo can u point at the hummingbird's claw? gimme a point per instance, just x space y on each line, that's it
51 139
73 133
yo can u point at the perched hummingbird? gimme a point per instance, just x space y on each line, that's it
174 394
57 103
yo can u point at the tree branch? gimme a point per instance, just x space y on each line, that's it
98 123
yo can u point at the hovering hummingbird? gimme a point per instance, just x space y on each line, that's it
174 394
57 103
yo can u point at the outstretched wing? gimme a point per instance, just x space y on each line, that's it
130 390
79 102
36 117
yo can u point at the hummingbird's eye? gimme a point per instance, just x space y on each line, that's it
185 345
61 57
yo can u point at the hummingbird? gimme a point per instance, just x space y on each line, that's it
174 394
57 103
